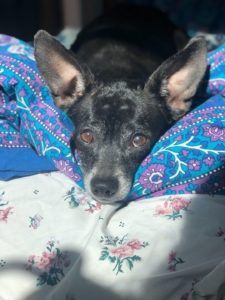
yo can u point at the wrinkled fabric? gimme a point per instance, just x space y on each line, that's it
59 244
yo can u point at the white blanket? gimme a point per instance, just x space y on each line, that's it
56 243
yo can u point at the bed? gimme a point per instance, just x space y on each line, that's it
167 241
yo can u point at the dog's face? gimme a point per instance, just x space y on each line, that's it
115 128
116 125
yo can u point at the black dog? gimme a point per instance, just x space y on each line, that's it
121 91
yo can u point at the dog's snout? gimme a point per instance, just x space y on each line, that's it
104 187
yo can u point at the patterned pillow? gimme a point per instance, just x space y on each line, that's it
189 158
35 135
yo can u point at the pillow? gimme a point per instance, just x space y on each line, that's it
189 158
35 134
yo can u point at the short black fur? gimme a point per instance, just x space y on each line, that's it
122 93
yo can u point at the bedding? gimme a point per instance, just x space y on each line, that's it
58 243
35 134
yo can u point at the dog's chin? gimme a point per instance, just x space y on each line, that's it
108 201
117 199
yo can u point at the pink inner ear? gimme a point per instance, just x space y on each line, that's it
67 73
68 84
180 87
71 75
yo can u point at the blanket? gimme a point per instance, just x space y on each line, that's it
59 244
35 135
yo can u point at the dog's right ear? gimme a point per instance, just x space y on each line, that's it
59 69
177 79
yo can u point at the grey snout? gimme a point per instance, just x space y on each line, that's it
104 188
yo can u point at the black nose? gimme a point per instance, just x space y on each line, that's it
104 187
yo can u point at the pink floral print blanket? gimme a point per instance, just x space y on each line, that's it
57 243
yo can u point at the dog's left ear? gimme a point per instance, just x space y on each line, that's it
177 79
59 69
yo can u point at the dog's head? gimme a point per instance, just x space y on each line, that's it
117 125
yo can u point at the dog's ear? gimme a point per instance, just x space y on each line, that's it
59 69
177 79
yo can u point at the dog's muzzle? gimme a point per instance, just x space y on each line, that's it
104 188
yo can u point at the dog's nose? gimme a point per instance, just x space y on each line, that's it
104 187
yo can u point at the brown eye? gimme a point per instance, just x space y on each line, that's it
139 140
87 137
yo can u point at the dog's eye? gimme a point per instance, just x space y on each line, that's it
87 137
139 140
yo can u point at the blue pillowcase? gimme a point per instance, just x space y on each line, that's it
189 158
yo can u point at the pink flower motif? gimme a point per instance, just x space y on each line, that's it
98 205
146 161
122 251
4 213
214 133
194 130
83 200
185 152
172 256
49 265
172 268
172 206
174 261
52 242
176 129
31 259
82 197
39 135
13 81
46 260
22 93
93 207
134 244
209 161
5 126
160 156
163 209
152 178
30 262
194 164
2 78
179 204
178 138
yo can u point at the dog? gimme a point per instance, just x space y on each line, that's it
123 85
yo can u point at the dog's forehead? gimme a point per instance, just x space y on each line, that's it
116 100
120 88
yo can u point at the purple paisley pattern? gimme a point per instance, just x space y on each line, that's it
189 158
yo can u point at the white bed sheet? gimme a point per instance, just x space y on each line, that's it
57 243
